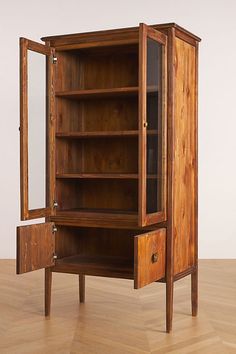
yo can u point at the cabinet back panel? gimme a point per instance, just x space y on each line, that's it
69 71
105 194
81 69
109 114
106 155
68 156
92 241
70 115
116 70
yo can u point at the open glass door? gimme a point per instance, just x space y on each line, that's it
152 125
36 129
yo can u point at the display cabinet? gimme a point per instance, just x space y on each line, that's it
108 147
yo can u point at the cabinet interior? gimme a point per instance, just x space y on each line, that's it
96 250
97 129
98 68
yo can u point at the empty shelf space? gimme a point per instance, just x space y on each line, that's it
101 134
96 211
97 265
102 175
97 93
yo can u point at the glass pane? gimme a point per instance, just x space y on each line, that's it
154 126
36 129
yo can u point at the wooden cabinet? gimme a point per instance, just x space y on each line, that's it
108 144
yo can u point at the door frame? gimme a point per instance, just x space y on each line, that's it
146 32
25 45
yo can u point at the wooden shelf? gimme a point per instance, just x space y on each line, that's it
102 176
102 134
117 267
98 93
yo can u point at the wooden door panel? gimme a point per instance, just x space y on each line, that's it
149 257
35 247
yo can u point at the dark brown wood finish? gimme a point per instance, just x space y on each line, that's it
142 122
149 257
25 46
146 32
35 247
48 291
184 183
170 167
114 34
23 130
194 275
96 161
50 132
81 288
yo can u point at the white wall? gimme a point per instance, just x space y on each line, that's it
213 20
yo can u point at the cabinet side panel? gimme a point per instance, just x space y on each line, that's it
185 157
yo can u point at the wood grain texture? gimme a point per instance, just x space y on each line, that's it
84 73
149 257
115 317
102 266
25 46
99 195
142 111
94 242
97 154
47 291
185 156
104 156
81 288
98 93
99 44
115 34
170 167
35 247
23 129
143 217
50 132
113 114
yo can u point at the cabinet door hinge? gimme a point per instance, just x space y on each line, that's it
54 256
54 59
55 204
54 229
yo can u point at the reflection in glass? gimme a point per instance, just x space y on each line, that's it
154 128
36 130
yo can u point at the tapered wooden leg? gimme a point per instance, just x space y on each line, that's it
169 304
81 288
48 289
194 292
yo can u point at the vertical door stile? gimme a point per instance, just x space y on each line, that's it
23 129
142 122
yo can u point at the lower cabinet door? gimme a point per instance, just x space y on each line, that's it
35 247
149 257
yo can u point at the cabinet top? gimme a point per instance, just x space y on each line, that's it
114 33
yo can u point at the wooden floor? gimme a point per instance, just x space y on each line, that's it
115 318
